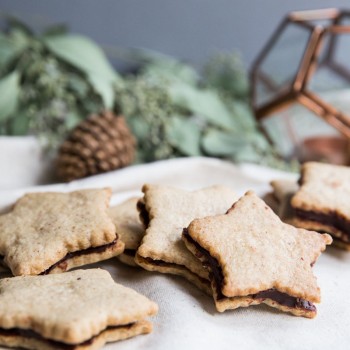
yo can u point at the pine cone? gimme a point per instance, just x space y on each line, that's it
98 144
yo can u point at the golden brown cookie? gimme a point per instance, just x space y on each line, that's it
129 228
322 201
165 211
253 258
283 191
53 232
270 199
83 309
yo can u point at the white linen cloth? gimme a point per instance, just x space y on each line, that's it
187 318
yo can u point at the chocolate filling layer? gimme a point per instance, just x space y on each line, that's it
332 219
27 333
285 299
217 275
92 250
144 216
130 252
166 264
2 262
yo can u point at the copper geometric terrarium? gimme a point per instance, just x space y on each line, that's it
306 63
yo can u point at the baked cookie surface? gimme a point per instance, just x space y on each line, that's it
322 201
53 232
283 191
255 258
283 188
82 309
165 211
129 228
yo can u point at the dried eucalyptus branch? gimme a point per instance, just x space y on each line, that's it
50 82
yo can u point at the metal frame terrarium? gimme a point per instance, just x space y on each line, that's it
321 35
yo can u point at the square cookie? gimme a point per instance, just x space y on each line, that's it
53 232
165 211
82 309
253 258
129 228
322 201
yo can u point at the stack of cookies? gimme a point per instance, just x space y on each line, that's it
318 201
49 233
235 249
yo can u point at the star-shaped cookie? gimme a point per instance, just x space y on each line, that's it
322 202
166 211
53 232
129 228
253 258
82 309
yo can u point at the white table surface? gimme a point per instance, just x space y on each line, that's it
187 318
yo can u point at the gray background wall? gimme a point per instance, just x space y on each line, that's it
189 29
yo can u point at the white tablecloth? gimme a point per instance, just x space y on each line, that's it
187 318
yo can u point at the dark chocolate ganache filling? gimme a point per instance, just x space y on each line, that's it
217 275
27 333
92 250
2 261
166 264
129 252
332 219
210 262
285 299
144 216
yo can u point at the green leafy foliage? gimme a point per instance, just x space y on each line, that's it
104 88
174 111
220 143
206 103
147 107
84 54
51 81
184 135
156 66
81 52
225 72
20 124
9 94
